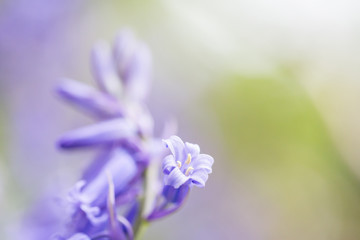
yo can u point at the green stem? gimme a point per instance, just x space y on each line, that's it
140 221
147 201
141 230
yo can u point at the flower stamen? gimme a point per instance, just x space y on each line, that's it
178 164
188 160
187 173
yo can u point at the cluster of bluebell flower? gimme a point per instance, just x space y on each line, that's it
123 189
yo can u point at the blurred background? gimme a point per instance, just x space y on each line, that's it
269 88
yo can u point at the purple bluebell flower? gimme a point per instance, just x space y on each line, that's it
185 164
92 202
92 101
133 63
104 69
183 168
109 131
92 191
124 133
123 177
123 77
113 227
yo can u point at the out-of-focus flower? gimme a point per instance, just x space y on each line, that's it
89 195
133 63
116 130
123 77
124 132
185 164
118 180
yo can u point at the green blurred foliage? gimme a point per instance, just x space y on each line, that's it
274 133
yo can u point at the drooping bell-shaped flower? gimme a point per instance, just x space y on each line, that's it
185 164
183 168
89 196
114 226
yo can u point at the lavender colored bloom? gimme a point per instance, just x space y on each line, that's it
89 99
89 200
185 164
79 236
104 70
124 177
124 132
114 130
123 77
92 192
182 169
113 226
133 63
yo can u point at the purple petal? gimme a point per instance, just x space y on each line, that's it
97 164
133 63
199 177
193 149
137 75
75 192
104 69
203 161
133 213
79 236
176 195
89 99
176 146
124 47
168 164
93 214
121 167
175 178
100 133
162 213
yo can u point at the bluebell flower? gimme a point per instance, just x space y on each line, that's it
90 100
122 77
109 131
185 164
121 189
183 168
133 63
89 194
124 134
114 227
